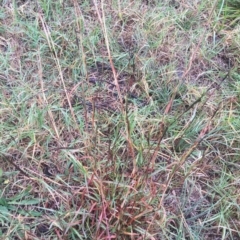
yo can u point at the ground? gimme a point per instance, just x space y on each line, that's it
119 119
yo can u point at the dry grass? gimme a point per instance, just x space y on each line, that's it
119 120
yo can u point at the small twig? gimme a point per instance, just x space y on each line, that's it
7 159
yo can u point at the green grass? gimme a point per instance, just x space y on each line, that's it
119 120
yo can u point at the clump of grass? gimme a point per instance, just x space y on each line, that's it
230 11
118 121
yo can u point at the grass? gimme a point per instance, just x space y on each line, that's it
119 120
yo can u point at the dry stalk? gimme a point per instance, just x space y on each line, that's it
52 48
104 29
45 99
101 17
